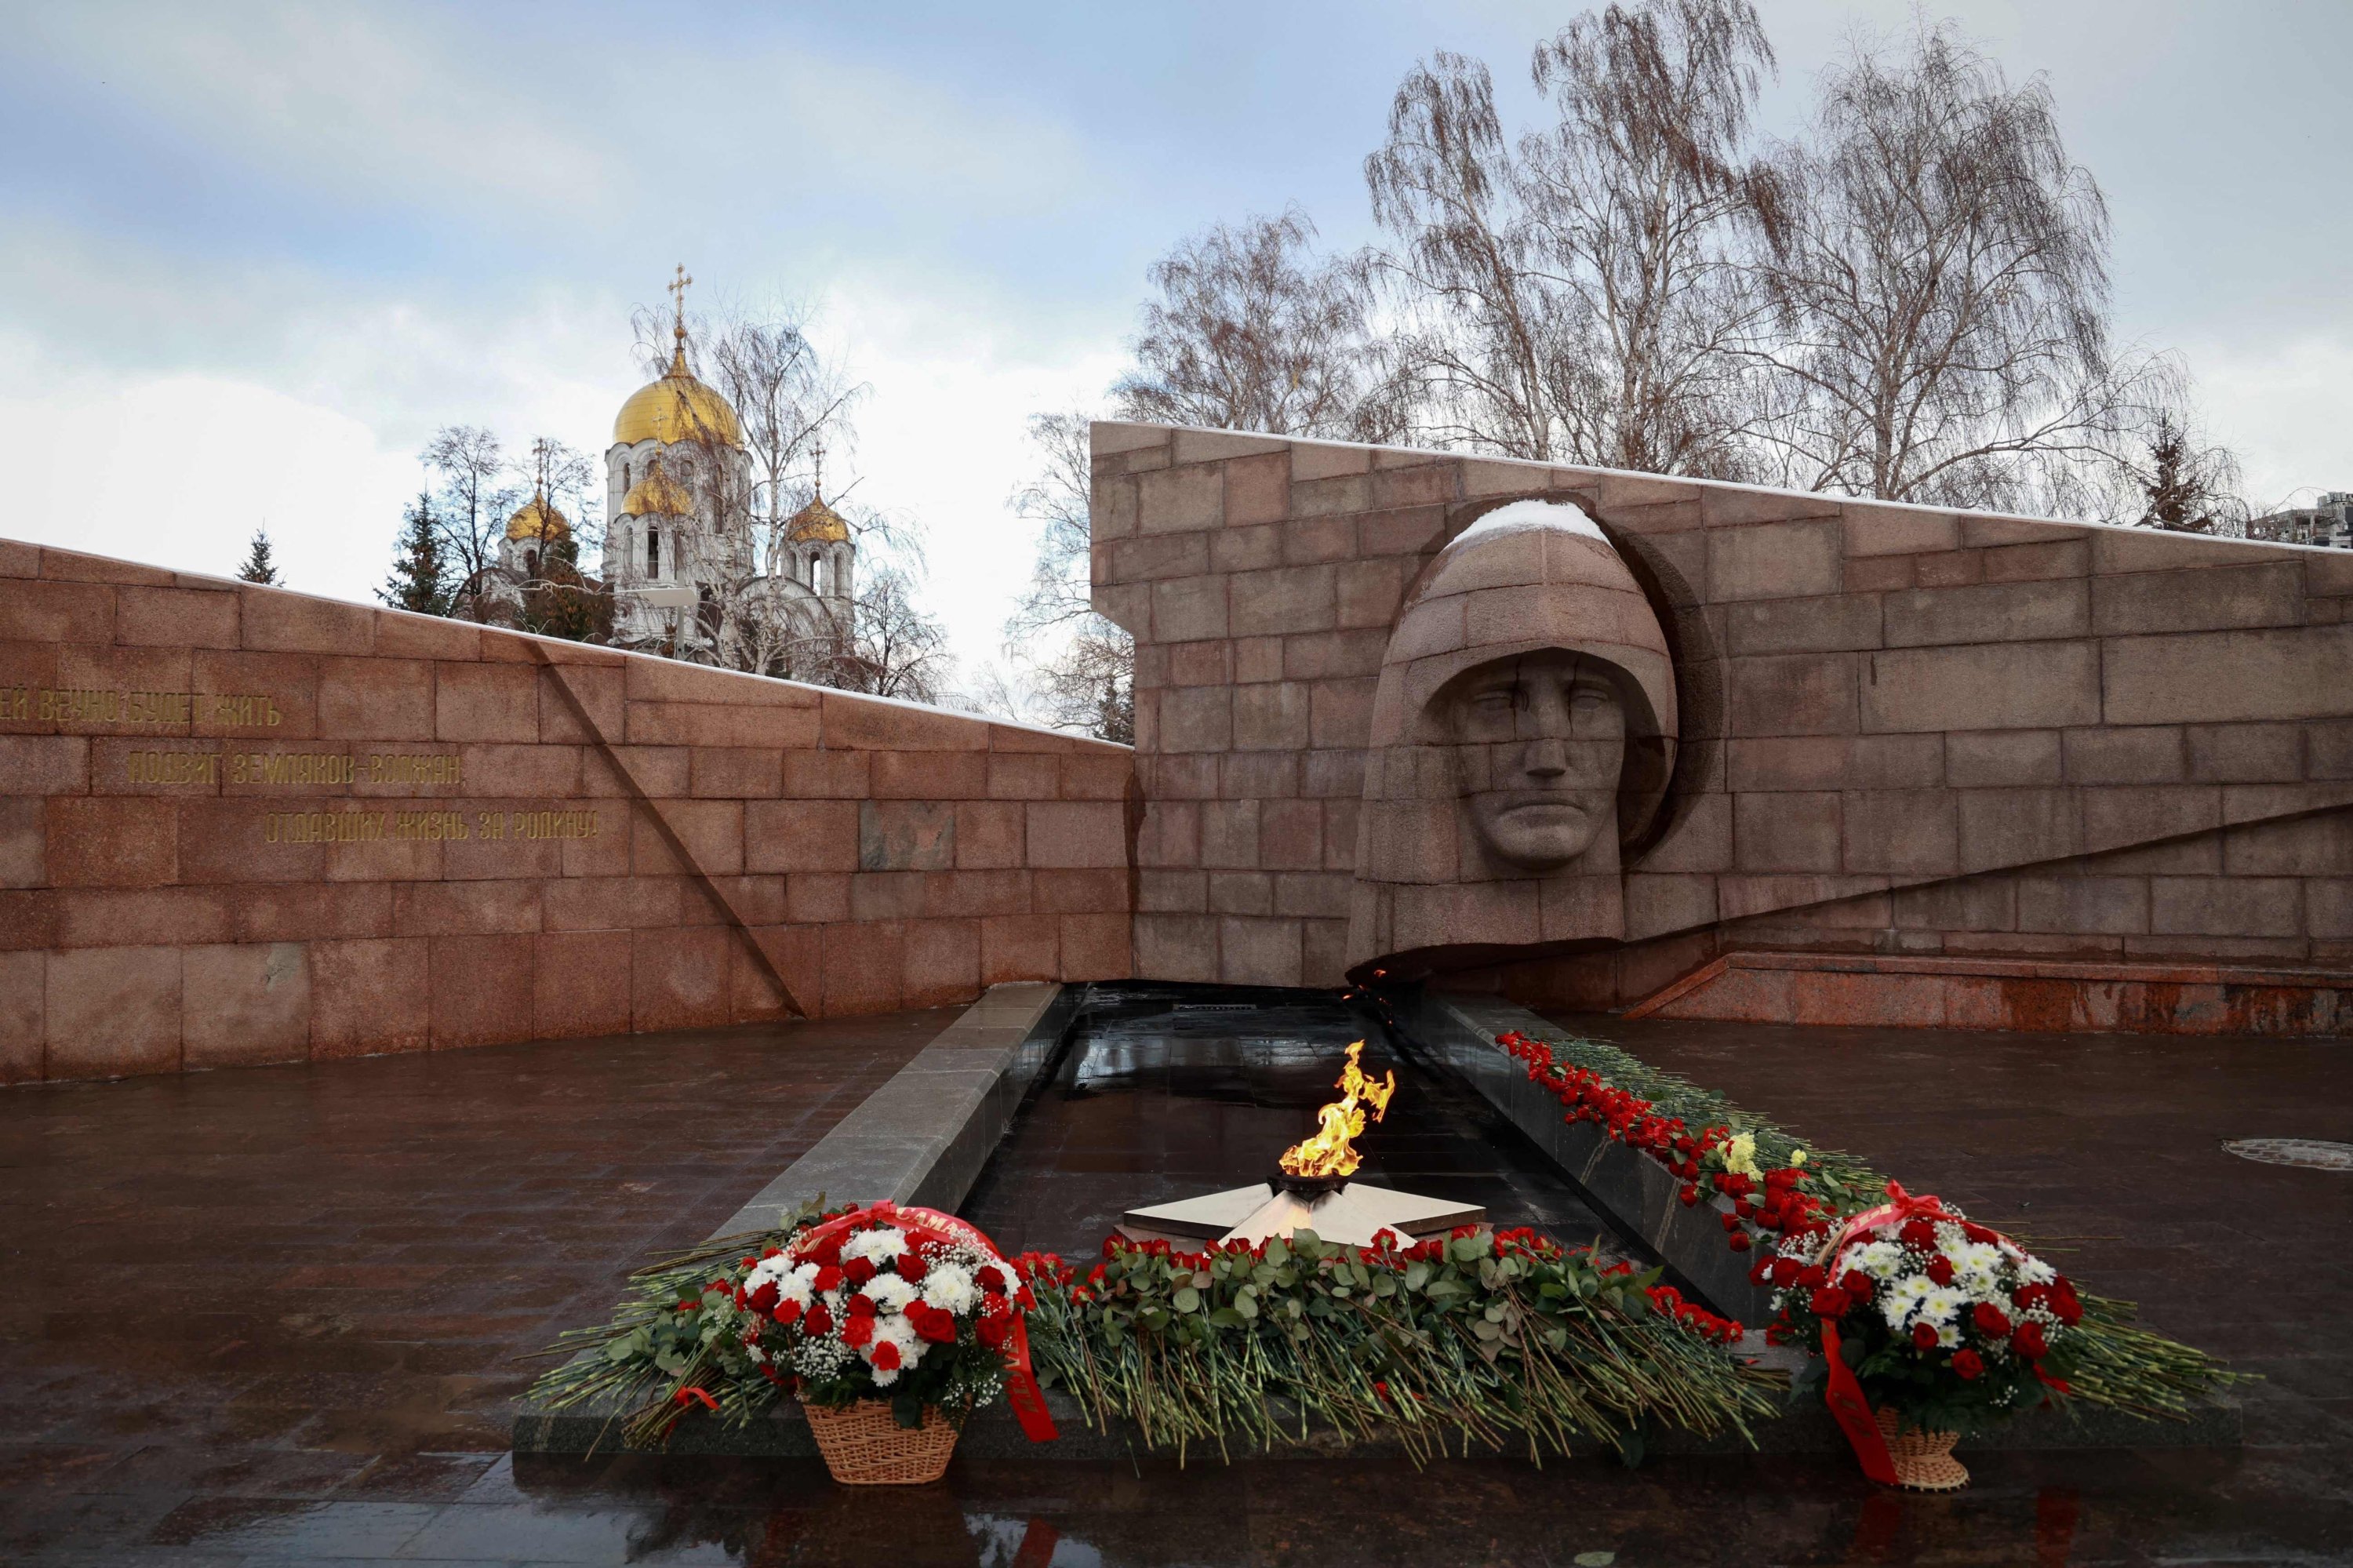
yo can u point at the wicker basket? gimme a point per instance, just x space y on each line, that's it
864 1446
1924 1459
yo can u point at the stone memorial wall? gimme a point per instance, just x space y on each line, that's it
240 824
1932 767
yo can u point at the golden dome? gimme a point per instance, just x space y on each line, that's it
535 519
677 408
657 495
816 521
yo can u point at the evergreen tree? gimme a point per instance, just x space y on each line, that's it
258 567
2178 495
419 564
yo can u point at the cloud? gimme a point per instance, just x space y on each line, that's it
2286 408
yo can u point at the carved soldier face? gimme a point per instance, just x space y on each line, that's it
1539 743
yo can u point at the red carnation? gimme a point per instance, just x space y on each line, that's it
1923 1337
934 1325
991 1278
1762 1274
764 1298
2064 1305
1830 1303
829 1277
820 1320
1992 1319
1917 1232
1969 1364
1786 1271
1941 1270
1857 1284
858 1330
1978 1232
861 1306
1813 1276
858 1270
994 1331
911 1265
1739 1241
886 1357
788 1312
2029 1342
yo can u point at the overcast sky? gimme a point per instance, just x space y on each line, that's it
251 256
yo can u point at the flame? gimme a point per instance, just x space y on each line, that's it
1329 1153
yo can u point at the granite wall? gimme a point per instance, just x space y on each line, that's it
240 824
1943 747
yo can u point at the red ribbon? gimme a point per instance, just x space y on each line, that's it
686 1395
1849 1406
1021 1390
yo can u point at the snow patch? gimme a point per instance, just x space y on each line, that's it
1520 516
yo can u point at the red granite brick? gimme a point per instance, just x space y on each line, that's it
481 989
865 967
118 841
1018 947
368 997
943 962
245 1002
110 1011
581 983
680 978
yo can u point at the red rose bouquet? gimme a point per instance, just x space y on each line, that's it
1952 1326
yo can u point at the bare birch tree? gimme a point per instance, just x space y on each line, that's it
1943 287
475 491
1250 333
1077 669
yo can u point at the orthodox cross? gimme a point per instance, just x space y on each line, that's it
676 289
818 485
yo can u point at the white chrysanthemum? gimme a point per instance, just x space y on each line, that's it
1948 1335
894 1329
879 1245
778 1271
1883 1260
888 1292
2034 1271
1940 1306
949 1286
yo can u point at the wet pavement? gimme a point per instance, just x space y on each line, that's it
1172 1092
267 1314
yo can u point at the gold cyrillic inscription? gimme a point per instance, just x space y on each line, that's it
172 767
73 705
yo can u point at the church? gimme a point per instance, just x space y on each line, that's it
692 569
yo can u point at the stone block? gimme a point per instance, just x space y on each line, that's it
1285 599
379 699
1171 892
1368 593
486 702
138 918
1291 834
2002 758
1340 823
1699 839
1019 948
1774 560
1878 573
2319 845
2157 550
1794 694
275 621
52 612
1170 834
272 696
1896 762
481 989
1787 831
1229 833
176 618
1989 612
1190 609
2110 905
2118 817
1956 569
1240 892
1155 555
1258 488
884 896
1245 549
943 962
816 898
711 832
1901 833
1803 625
987 834
1259 951
1208 664
53 764
1884 530
1961 903
2000 828
2124 753
465 909
930 775
735 772
868 724
24 843
2245 753
906 835
112 1012
1661 904
245 1004
1177 947
2210 598
1180 500
2031 562
1409 531
1257 659
683 979
2226 906
1258 775
1271 717
801 835
1093 891
1789 762
402 635
2018 685
1307 540
1197 718
114 842
369 996
1341 712
23 981
1018 776
1095 947
1077 833
2223 676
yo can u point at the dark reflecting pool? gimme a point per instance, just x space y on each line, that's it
1171 1092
